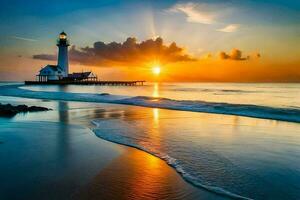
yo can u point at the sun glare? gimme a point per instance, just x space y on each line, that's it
156 70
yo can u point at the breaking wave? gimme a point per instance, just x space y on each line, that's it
212 90
283 114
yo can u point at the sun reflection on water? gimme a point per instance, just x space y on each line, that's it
155 90
156 115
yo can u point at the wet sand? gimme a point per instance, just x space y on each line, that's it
52 155
48 160
138 175
55 155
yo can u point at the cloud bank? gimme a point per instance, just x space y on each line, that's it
128 52
236 54
134 53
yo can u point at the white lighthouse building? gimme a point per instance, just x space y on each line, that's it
63 59
61 70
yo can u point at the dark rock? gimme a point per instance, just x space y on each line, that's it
8 110
22 108
37 108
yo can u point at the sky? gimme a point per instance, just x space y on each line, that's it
213 41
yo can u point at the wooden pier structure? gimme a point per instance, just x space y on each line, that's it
88 82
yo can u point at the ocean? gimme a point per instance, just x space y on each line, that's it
236 140
277 95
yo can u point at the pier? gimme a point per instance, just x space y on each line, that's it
88 82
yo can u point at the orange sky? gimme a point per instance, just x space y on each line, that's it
212 69
232 34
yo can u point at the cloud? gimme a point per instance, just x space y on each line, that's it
45 57
257 55
229 28
195 12
24 39
128 52
235 54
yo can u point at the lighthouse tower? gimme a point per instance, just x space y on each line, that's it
63 60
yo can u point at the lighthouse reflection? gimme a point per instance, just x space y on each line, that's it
63 133
63 106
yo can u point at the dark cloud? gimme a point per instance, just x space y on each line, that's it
127 52
45 57
235 54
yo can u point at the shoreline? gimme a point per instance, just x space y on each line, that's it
219 192
145 164
137 174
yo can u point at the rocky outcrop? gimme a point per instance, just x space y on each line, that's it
9 110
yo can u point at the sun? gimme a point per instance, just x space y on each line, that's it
156 70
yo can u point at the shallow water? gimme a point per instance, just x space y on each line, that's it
230 155
52 155
48 160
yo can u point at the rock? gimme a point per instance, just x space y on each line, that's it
9 110
37 108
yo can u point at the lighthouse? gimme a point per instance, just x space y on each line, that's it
60 72
63 60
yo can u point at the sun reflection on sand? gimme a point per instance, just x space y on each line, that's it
137 174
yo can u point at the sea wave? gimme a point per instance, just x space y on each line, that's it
214 90
173 162
256 111
284 114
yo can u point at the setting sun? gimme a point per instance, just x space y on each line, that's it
156 70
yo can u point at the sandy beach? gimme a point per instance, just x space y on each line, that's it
138 175
56 159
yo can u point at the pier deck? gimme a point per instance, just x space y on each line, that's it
62 82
